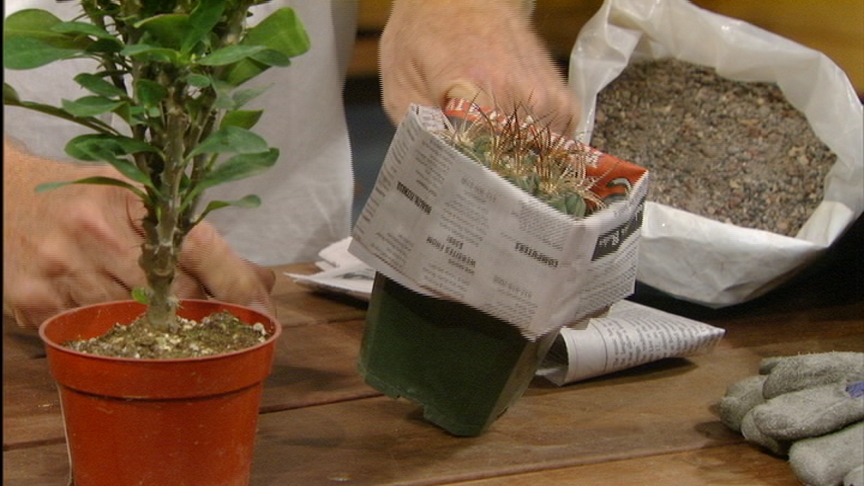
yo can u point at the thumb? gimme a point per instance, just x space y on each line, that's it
226 276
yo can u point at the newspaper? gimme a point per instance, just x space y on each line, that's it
445 226
341 273
629 335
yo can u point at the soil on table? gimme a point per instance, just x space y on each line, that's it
732 151
218 333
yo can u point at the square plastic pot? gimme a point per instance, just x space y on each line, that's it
464 367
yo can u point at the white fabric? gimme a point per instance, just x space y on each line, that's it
307 195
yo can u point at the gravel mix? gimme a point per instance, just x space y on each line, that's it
732 151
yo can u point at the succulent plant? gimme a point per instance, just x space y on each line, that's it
523 150
170 71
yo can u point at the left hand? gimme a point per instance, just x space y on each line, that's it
480 50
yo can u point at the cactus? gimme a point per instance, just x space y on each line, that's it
523 150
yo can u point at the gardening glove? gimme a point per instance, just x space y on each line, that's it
831 459
787 374
810 407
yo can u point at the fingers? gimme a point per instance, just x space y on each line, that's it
31 303
80 262
209 260
81 244
267 276
500 63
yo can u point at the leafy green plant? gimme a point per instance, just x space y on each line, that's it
171 71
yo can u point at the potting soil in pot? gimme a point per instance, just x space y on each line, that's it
732 151
218 333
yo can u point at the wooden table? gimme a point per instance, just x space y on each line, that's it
321 425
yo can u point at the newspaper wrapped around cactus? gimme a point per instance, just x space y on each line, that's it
488 233
541 233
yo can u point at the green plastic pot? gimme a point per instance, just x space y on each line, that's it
464 367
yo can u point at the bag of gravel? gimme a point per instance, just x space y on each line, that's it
731 170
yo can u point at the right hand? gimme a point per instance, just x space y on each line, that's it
482 50
79 245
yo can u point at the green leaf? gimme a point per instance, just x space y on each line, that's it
250 201
10 96
239 167
231 139
235 168
272 57
111 149
97 180
229 99
91 106
149 92
198 80
101 46
166 30
233 100
118 145
281 31
243 96
230 55
139 294
148 52
241 118
97 85
28 53
84 28
203 18
29 41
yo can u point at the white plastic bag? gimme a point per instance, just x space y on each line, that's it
695 258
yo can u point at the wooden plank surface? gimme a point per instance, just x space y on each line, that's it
593 428
732 465
658 415
657 409
727 465
297 306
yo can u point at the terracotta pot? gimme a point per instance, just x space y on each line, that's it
464 367
178 422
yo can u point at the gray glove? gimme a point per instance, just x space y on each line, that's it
810 407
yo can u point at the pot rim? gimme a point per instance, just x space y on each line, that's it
276 332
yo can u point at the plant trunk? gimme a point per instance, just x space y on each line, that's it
158 262
166 229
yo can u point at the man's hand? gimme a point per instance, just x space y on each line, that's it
480 50
80 244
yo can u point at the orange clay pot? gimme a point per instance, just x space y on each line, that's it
178 422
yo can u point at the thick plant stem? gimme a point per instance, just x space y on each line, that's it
168 223
167 230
